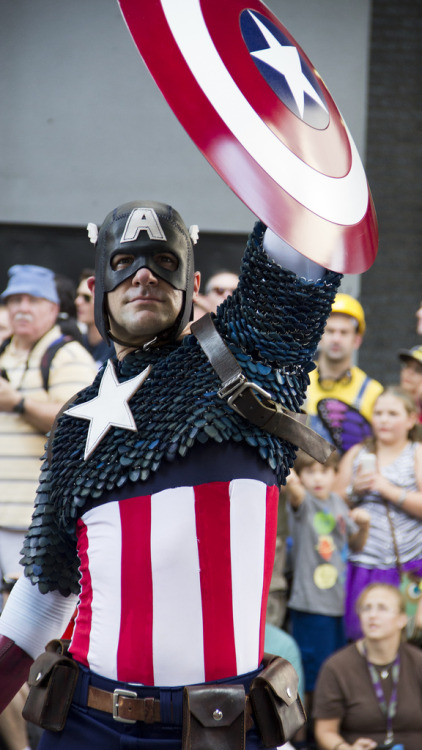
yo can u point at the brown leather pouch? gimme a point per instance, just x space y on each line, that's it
214 717
52 682
276 703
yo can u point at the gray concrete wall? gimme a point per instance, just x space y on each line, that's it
392 288
83 126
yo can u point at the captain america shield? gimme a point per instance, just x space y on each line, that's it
254 104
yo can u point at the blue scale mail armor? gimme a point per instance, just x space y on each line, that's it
272 324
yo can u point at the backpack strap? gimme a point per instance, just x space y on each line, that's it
48 356
5 343
3 372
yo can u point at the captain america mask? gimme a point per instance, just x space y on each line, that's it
143 231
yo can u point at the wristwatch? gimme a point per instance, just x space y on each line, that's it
349 492
19 408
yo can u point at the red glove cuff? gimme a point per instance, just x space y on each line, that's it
14 669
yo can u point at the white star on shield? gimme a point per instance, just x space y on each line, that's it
110 408
286 61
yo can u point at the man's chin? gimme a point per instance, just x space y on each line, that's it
336 356
138 335
25 331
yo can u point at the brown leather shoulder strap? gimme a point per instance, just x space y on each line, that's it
251 401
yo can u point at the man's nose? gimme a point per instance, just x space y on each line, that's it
25 302
144 276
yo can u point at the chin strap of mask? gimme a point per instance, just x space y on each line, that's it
250 400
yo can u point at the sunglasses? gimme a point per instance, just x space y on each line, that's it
221 290
327 384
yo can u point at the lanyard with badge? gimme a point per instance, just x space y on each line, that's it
388 710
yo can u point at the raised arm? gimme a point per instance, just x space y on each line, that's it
343 482
294 490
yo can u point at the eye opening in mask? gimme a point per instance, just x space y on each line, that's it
167 260
163 259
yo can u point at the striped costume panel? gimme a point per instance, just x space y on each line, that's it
188 570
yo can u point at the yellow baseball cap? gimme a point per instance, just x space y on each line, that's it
414 353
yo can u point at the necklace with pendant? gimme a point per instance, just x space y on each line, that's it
384 671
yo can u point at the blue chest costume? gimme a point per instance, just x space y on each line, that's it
272 324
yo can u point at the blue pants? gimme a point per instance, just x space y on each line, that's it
89 729
317 636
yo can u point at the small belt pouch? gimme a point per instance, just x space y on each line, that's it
276 703
52 682
214 717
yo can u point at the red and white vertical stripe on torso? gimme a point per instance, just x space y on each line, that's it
174 585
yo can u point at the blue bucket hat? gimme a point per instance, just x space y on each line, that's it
34 280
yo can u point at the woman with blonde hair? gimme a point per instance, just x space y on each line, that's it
368 694
384 476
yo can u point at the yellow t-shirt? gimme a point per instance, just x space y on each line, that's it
21 446
360 391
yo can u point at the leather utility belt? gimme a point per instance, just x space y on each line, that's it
251 401
52 682
215 716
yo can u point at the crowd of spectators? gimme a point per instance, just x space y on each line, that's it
332 572
349 548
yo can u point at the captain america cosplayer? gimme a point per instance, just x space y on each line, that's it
156 511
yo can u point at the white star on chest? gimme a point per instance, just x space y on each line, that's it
110 408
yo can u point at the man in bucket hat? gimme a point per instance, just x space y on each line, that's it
27 407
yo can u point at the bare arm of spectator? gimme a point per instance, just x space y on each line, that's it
410 500
345 472
362 518
40 414
328 737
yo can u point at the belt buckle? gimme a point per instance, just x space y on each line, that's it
125 694
234 388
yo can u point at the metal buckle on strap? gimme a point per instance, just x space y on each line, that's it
232 389
125 694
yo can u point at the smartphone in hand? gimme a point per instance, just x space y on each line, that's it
368 462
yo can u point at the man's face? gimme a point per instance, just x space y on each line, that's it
220 287
5 329
340 338
419 320
411 377
144 304
84 302
31 317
